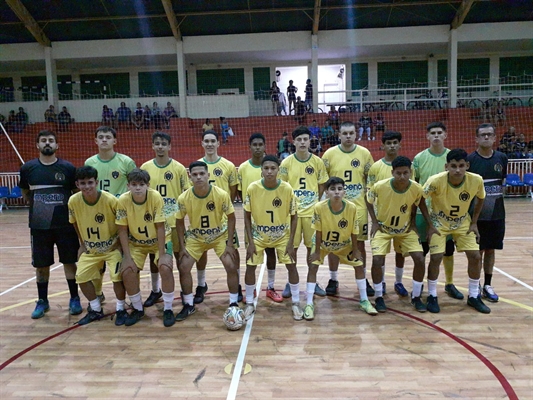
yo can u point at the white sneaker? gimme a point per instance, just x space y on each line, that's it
297 312
249 311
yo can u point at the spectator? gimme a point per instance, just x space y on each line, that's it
50 114
529 153
507 135
224 128
486 113
291 95
365 125
315 129
157 116
314 145
11 121
521 144
300 110
208 126
108 117
169 112
499 115
333 116
284 147
282 107
379 123
21 120
147 117
64 120
138 116
274 97
309 96
328 135
123 115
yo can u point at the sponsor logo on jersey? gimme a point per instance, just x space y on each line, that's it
343 223
210 206
60 176
498 167
218 172
115 174
100 218
148 217
309 170
277 202
169 176
355 163
464 196
403 209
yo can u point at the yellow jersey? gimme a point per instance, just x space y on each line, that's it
247 173
336 227
222 173
380 170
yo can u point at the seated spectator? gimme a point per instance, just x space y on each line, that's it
511 132
315 129
21 120
169 112
224 129
147 117
328 134
108 117
284 146
529 153
333 116
138 116
11 120
157 116
499 114
208 126
379 123
365 126
485 113
300 110
123 115
521 144
50 114
64 120
314 145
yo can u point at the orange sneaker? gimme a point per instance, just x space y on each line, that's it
272 294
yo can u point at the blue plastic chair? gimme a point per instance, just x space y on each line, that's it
4 194
513 180
16 193
528 181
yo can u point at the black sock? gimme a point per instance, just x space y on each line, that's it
42 290
73 288
488 279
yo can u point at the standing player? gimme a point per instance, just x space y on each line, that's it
113 169
380 170
249 172
211 226
92 213
392 206
143 230
47 183
492 166
451 193
270 222
306 174
352 163
335 222
170 179
426 164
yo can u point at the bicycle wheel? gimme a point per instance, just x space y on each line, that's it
514 102
475 103
396 106
412 105
368 107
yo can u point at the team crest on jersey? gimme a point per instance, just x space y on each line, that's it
115 174
309 170
148 217
343 223
169 176
277 202
60 176
403 209
99 218
218 172
464 196
498 168
210 206
355 163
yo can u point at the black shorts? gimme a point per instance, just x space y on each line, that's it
42 246
491 234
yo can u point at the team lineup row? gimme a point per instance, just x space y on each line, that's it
282 207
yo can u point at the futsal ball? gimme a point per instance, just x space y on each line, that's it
233 318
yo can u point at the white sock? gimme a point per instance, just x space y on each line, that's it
473 288
155 282
188 299
168 298
310 289
271 278
120 305
95 305
378 287
399 275
250 294
334 275
361 285
234 297
136 301
417 289
201 277
383 273
295 292
432 288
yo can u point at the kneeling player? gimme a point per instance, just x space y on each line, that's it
392 207
270 222
335 222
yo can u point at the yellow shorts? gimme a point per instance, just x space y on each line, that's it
362 221
463 242
90 265
139 253
344 255
280 246
196 247
304 227
404 243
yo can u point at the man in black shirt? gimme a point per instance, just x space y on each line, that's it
47 183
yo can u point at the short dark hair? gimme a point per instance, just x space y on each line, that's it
334 180
198 164
486 125
301 130
45 133
391 135
161 135
86 172
270 157
139 175
105 128
347 124
210 132
401 161
437 124
257 135
457 155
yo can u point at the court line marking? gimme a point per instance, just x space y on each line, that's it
26 281
513 278
235 379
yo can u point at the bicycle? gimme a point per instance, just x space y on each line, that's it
506 101
393 105
421 102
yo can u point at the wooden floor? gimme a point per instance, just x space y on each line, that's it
342 354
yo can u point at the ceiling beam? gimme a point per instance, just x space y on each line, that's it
29 22
316 17
461 14
172 20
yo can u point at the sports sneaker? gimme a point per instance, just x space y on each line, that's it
287 291
333 288
41 308
417 303
370 292
384 285
120 317
74 306
91 316
319 291
478 304
380 305
453 292
134 317
309 312
297 312
432 304
249 311
400 289
273 295
152 299
185 312
239 292
367 307
200 293
168 318
489 294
